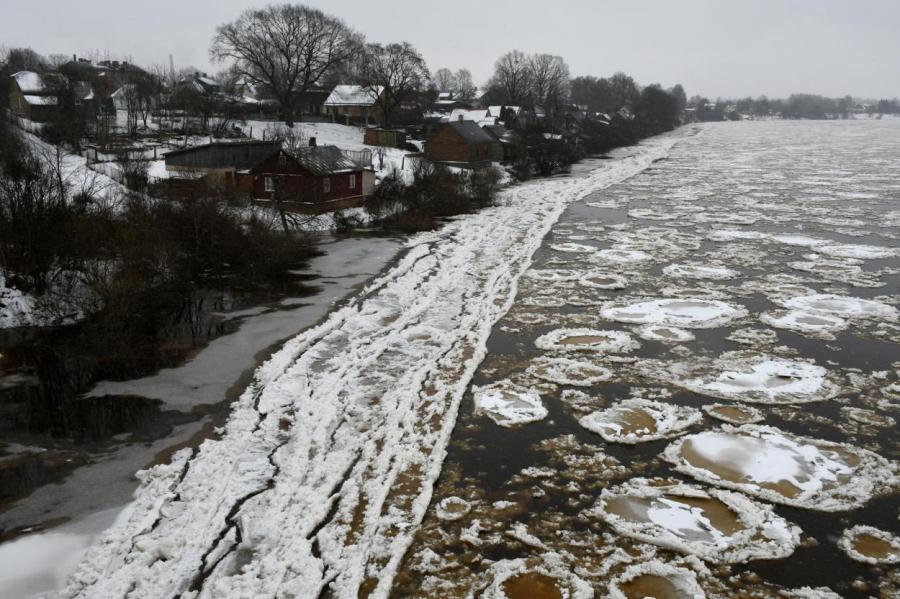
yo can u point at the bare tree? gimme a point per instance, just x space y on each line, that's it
512 78
549 76
399 70
444 80
288 48
465 86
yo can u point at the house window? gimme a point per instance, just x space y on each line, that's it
353 181
326 185
270 183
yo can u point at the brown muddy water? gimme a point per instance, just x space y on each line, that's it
75 428
779 242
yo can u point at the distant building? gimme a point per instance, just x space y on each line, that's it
316 179
354 103
35 96
479 117
463 143
388 138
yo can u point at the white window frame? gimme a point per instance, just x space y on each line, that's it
353 181
326 185
269 183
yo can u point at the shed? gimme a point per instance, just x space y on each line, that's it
388 138
463 142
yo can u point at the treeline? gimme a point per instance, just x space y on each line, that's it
796 106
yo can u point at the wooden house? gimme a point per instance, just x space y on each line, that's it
34 96
354 103
463 143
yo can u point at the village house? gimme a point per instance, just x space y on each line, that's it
463 143
314 180
354 103
35 96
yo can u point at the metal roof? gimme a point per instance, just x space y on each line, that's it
325 160
471 133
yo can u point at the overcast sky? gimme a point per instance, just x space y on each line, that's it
713 47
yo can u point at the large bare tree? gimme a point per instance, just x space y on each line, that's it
444 80
465 87
398 71
549 77
287 48
512 78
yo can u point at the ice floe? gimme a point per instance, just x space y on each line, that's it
565 371
841 306
640 420
734 414
870 545
452 508
573 248
759 378
867 417
547 577
622 256
656 579
692 313
715 525
700 271
808 323
860 252
508 404
554 275
603 280
665 334
776 466
573 340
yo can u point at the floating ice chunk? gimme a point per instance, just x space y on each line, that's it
656 579
716 526
870 545
868 417
634 421
547 576
452 508
665 334
573 248
622 256
564 371
568 340
650 214
799 240
734 414
808 323
842 306
735 234
761 379
700 271
554 275
692 313
508 404
603 280
860 252
782 468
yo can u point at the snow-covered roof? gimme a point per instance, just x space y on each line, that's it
41 100
495 111
481 117
29 81
208 81
353 95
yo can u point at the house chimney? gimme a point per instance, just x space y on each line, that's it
74 58
461 119
312 142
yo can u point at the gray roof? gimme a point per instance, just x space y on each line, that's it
325 160
237 155
471 133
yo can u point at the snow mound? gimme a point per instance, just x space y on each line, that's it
763 379
691 313
700 271
841 306
572 340
716 526
564 371
633 421
508 404
812 324
664 334
776 466
603 280
870 545
734 414
655 578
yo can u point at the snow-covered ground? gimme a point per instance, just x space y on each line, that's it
327 464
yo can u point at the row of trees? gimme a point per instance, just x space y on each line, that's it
796 106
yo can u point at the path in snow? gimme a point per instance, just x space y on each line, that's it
327 463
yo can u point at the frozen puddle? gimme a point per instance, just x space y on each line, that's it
716 526
734 414
655 579
842 306
870 545
640 420
546 577
691 313
508 404
570 340
564 371
808 323
782 468
740 376
699 271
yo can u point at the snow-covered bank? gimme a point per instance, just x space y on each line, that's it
327 463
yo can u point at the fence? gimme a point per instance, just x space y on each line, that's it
363 158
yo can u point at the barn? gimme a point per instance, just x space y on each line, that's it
463 143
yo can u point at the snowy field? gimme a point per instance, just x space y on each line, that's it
327 464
